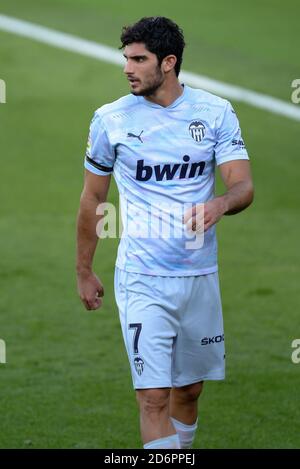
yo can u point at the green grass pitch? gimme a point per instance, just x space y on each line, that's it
66 383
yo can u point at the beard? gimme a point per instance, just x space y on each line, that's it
151 85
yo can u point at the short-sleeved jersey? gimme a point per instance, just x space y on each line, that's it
163 160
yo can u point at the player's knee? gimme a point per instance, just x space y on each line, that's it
153 400
189 393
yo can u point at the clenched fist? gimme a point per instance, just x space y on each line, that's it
90 290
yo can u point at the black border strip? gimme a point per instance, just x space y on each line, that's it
106 169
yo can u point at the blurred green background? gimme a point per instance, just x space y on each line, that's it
66 383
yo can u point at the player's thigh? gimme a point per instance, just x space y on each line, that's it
148 330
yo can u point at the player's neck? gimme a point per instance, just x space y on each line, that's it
167 93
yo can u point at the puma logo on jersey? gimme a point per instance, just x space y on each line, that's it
168 172
129 134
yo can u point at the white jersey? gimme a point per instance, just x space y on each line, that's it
163 160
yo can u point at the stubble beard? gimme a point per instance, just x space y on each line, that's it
153 85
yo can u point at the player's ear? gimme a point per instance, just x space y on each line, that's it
168 63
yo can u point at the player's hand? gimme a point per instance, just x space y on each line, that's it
200 217
90 290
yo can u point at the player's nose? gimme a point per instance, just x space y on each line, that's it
128 68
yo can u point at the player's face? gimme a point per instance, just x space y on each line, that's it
142 70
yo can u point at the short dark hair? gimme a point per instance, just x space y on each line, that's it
160 35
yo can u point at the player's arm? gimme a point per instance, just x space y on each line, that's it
237 178
95 191
236 175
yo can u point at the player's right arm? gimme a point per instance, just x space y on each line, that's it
94 192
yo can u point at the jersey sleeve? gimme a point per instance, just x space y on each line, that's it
230 145
100 154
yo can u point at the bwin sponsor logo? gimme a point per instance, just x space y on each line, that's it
168 172
212 340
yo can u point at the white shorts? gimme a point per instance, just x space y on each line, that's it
172 328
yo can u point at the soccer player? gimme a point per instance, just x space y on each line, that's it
162 143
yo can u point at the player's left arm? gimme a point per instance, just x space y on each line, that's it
236 175
237 178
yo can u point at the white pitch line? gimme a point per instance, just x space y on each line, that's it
108 54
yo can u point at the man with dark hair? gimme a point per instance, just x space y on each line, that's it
161 36
162 143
